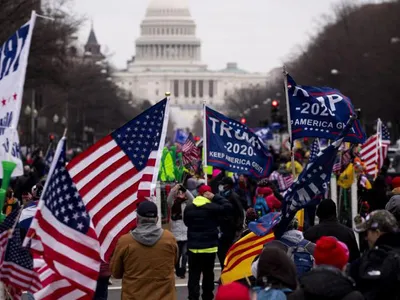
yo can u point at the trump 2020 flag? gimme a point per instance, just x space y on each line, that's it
234 147
312 183
321 112
13 62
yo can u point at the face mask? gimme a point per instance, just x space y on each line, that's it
226 193
221 188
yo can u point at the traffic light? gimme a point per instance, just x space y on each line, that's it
243 120
274 110
51 137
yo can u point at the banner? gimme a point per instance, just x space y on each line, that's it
233 147
321 112
14 60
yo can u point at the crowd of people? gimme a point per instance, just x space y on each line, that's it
323 261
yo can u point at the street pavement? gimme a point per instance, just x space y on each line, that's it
114 290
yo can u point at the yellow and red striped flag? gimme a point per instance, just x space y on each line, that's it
242 253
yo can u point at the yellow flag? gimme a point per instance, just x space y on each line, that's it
347 177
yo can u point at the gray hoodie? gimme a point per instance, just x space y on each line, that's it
147 234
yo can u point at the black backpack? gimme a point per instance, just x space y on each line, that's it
379 272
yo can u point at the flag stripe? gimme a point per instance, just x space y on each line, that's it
107 175
104 145
239 255
107 159
113 191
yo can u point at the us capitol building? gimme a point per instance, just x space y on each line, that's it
168 58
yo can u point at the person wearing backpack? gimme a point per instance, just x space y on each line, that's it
265 201
327 280
377 272
276 275
298 249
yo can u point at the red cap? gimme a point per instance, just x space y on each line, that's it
204 188
232 291
396 182
329 251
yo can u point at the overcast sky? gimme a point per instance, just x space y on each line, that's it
257 34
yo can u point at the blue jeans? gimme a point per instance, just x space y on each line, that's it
102 288
180 267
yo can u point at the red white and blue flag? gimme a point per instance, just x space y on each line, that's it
63 242
118 172
374 151
190 152
16 264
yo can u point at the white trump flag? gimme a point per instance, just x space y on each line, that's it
14 54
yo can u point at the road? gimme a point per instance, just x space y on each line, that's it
114 290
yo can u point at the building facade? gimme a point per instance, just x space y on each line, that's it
168 59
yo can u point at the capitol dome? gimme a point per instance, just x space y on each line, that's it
168 4
168 38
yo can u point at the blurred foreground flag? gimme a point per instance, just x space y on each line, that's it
63 242
118 172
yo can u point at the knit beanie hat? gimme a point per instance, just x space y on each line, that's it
203 189
329 251
264 191
232 291
396 182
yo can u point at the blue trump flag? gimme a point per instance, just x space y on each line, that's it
264 133
312 183
181 136
234 147
321 112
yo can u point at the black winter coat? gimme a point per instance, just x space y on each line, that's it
203 219
376 289
332 227
232 223
326 283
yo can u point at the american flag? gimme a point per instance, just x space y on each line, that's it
64 244
374 150
190 152
314 150
16 263
285 181
118 172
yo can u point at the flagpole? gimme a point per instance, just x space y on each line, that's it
378 135
204 142
285 82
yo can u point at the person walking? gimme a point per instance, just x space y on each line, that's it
202 218
145 258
